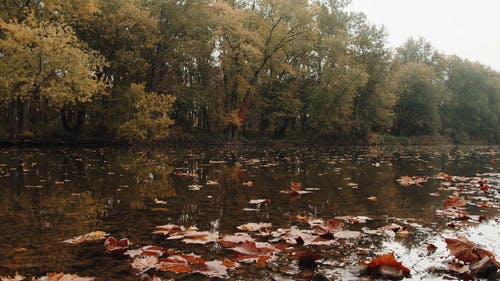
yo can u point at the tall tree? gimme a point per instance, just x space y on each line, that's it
374 101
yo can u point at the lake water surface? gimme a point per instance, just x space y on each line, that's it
48 195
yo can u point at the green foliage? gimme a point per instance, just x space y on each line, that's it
419 96
473 110
149 120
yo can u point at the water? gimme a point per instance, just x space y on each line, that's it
48 195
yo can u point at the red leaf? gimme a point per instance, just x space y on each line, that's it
296 186
249 251
455 201
176 264
115 247
387 265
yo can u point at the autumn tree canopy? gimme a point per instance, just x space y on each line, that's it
158 69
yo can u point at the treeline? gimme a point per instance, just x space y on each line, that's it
149 70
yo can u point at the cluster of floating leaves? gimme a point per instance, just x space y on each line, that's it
307 243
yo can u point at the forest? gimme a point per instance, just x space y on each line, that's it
230 70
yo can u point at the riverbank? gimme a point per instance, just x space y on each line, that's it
204 139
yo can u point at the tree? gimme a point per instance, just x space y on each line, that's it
374 101
45 67
420 93
150 119
473 111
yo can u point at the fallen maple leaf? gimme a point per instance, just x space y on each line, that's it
115 247
169 229
196 237
62 277
455 201
144 263
295 186
229 241
466 250
254 226
91 236
215 269
388 267
405 181
431 248
17 277
443 176
250 251
176 264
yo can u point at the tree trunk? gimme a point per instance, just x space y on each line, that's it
206 120
13 118
25 117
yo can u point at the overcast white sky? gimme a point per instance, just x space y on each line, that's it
467 28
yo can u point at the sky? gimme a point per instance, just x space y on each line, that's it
467 28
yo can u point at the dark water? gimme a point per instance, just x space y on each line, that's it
51 194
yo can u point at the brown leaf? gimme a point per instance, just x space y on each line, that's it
462 249
308 258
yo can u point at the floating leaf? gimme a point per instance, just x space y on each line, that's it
199 237
388 267
144 263
455 201
17 277
260 201
157 201
409 181
213 183
169 229
250 251
466 251
91 236
215 268
254 226
248 183
62 277
115 247
229 241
